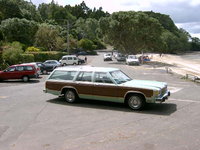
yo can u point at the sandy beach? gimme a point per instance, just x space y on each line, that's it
188 63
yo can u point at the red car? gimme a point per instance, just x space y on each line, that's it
22 71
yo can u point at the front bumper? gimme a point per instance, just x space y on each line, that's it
108 58
163 97
133 63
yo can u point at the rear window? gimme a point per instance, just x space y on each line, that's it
84 76
63 75
28 68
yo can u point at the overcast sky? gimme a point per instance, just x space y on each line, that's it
185 13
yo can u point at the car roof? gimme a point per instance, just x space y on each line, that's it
86 68
69 56
23 65
50 60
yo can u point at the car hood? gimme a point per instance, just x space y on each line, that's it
1 71
146 84
132 60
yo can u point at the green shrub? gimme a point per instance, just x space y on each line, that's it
99 44
32 49
91 52
26 58
86 44
49 55
12 53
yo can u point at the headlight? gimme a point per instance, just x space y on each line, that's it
157 92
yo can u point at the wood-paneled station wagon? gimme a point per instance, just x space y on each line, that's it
108 84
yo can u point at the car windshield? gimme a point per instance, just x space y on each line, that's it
119 77
132 57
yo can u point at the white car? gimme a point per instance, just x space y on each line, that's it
132 60
69 60
107 57
120 57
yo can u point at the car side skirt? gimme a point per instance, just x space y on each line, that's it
103 98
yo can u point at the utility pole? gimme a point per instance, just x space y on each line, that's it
68 37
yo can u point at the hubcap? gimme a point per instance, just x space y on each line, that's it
70 96
25 79
134 102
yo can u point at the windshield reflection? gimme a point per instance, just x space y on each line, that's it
119 77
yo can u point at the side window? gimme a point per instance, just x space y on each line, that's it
28 68
84 76
20 68
101 77
64 58
69 58
63 75
11 69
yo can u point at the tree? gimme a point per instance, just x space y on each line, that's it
176 43
87 28
28 10
21 30
12 53
195 44
79 11
9 9
132 32
48 37
86 44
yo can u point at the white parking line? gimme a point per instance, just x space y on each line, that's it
2 97
174 89
184 100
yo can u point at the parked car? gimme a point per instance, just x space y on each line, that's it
69 60
36 66
107 57
50 65
132 60
81 61
43 68
82 53
121 57
100 83
21 71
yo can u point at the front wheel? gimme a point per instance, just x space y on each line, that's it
25 78
136 102
70 96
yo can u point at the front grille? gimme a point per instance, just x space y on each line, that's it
164 90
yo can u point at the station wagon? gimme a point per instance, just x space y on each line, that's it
108 84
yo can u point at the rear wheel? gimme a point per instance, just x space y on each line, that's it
44 72
25 78
71 96
136 102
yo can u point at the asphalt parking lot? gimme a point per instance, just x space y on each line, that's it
33 120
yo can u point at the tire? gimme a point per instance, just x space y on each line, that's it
136 102
25 78
44 72
71 96
64 64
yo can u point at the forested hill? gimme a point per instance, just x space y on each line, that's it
51 27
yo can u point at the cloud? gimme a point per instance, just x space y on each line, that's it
183 12
192 27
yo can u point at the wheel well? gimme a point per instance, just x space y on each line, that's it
132 93
25 76
65 89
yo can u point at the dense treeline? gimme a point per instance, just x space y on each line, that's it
51 27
